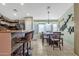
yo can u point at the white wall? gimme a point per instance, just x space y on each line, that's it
69 38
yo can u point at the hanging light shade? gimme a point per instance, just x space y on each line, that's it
48 11
15 10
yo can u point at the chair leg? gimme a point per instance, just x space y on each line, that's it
43 41
30 46
62 42
56 43
59 45
53 45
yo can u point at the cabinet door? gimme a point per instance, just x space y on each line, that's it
5 44
28 23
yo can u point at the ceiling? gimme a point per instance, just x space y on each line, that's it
37 10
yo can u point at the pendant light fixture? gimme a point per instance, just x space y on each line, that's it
15 12
48 11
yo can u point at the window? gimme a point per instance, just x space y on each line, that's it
41 27
55 27
48 27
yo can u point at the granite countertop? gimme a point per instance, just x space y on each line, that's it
10 31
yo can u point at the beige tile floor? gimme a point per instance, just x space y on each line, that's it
46 50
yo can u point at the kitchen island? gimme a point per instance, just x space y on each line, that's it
9 39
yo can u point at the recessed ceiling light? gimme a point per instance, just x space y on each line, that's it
4 4
22 4
27 14
15 14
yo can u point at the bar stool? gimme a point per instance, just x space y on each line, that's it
24 40
27 39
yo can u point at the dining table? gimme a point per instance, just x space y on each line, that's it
48 36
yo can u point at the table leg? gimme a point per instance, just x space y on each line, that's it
23 49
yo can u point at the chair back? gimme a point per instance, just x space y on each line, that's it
29 36
56 35
45 36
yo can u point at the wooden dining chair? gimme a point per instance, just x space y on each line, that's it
56 40
45 37
61 39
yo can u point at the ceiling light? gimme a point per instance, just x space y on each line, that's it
48 11
27 14
4 4
15 14
22 4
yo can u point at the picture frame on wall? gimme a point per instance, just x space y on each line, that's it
71 29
